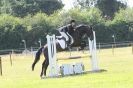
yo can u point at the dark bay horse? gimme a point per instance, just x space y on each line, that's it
80 31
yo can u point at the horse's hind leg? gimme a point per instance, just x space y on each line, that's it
44 68
37 57
45 63
36 60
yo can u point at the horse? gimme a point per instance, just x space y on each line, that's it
80 32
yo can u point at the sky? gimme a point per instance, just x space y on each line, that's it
130 3
69 3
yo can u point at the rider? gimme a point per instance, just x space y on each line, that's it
67 31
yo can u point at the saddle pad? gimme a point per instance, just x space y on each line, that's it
62 43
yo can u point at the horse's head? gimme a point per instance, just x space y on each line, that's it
85 30
89 32
80 32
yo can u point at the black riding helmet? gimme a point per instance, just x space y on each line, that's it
72 21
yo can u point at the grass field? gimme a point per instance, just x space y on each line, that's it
119 71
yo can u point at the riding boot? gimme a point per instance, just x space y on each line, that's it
69 45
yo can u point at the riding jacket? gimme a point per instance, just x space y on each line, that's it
68 28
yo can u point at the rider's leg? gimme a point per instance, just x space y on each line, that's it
64 35
71 39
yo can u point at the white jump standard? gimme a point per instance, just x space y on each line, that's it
53 71
93 53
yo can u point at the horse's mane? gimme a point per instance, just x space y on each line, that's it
81 25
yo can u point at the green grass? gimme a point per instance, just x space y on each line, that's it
119 71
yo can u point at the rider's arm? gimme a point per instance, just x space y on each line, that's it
64 29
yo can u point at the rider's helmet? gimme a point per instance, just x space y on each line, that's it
73 23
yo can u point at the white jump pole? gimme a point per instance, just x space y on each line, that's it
93 53
51 42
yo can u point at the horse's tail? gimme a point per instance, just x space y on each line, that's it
37 57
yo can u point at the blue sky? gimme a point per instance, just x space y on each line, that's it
69 3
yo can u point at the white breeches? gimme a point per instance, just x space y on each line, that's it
64 35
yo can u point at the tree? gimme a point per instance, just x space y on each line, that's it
5 6
12 31
125 21
22 8
109 7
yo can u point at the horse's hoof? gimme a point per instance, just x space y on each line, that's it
43 77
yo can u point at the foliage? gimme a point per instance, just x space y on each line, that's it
21 8
34 27
12 31
109 7
124 21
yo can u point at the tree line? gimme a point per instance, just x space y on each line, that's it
31 27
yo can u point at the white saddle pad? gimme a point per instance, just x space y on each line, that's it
62 43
